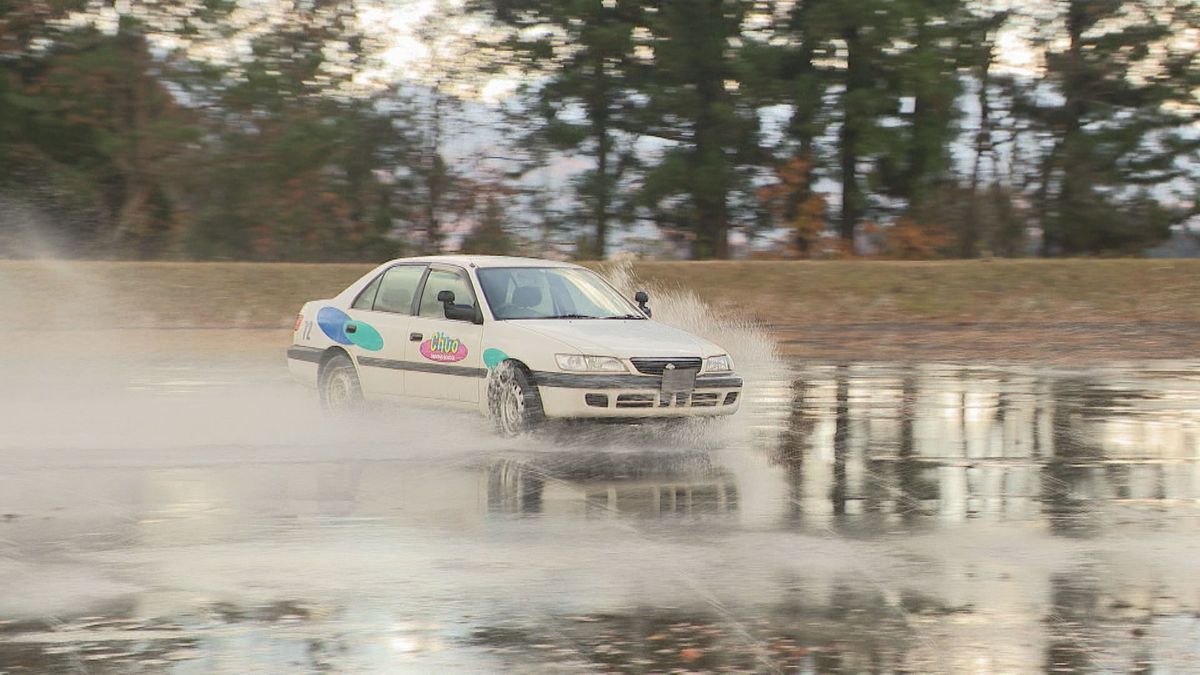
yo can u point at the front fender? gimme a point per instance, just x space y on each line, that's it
507 340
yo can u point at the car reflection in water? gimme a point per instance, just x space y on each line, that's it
604 484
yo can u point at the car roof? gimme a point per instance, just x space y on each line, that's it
485 261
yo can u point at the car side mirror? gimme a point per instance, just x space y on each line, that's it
461 313
455 312
642 297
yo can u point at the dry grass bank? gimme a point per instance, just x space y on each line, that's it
1001 291
853 309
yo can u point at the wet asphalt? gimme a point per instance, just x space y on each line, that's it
203 516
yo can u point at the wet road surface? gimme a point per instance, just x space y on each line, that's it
204 517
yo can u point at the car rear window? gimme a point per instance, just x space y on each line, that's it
398 286
366 299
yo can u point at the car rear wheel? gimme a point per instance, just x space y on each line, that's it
513 400
340 390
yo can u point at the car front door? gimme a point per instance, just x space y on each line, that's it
380 320
442 359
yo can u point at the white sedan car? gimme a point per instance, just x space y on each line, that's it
520 339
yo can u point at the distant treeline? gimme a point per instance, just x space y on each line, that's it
216 129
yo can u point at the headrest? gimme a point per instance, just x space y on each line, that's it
527 296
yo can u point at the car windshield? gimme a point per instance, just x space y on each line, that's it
552 293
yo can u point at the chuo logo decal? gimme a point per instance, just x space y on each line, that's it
346 331
443 348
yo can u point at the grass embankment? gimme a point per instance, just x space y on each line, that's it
852 309
1069 311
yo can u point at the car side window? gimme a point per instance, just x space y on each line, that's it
398 286
366 299
445 280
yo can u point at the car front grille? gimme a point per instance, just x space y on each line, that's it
636 400
696 400
653 366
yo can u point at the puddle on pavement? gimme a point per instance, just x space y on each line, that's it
855 518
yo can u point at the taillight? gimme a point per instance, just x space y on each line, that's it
299 320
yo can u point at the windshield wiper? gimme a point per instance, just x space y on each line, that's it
572 316
625 316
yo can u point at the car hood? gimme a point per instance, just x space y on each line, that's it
623 338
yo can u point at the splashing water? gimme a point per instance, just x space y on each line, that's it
766 375
78 376
754 351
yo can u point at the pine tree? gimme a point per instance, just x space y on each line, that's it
874 87
100 130
583 50
705 124
1119 125
841 61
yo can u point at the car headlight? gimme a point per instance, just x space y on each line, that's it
590 364
718 364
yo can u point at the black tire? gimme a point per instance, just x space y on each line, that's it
513 400
339 389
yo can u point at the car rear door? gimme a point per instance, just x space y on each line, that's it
380 318
442 358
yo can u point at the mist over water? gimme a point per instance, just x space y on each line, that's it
170 500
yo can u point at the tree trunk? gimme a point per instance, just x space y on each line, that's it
1049 244
131 233
924 116
710 181
600 123
806 106
1073 190
851 138
435 180
983 145
712 231
601 205
710 186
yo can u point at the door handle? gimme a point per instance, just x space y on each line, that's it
415 337
351 328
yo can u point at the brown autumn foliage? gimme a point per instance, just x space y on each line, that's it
803 211
908 239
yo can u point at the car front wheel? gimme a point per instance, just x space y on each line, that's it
513 400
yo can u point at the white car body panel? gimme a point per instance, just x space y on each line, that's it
619 338
450 360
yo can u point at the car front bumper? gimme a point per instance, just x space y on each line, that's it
617 396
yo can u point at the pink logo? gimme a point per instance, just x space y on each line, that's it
444 349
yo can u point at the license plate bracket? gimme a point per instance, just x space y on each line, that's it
679 381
